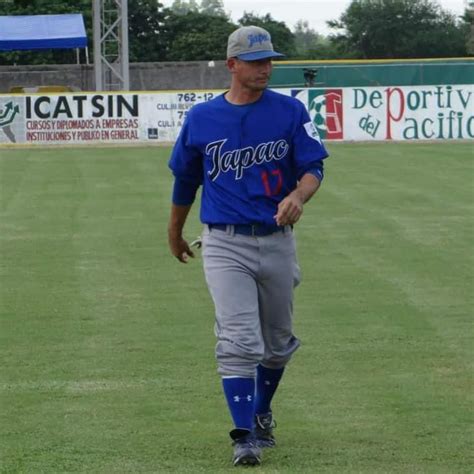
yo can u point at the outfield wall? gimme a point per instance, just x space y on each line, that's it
349 113
214 74
374 73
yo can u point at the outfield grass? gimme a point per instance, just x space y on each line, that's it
106 342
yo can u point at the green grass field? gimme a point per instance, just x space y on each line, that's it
106 341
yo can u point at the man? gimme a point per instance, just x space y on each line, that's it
259 158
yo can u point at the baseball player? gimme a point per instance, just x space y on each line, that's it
259 158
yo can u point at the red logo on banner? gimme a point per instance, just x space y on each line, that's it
334 114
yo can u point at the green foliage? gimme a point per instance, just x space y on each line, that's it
147 30
398 29
208 7
213 7
197 36
311 45
468 28
282 37
181 7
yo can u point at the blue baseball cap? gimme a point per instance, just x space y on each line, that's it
250 43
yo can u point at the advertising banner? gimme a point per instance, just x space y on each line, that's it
351 113
62 119
392 113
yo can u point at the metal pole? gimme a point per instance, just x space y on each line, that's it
97 46
124 55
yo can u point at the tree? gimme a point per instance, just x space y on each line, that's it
147 21
398 29
197 36
181 7
311 45
468 26
282 38
305 37
213 7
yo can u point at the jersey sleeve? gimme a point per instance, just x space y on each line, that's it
308 148
186 161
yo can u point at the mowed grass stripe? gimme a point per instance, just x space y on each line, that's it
106 342
395 292
107 320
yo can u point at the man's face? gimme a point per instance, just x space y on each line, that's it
252 75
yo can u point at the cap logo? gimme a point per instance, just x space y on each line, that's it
260 38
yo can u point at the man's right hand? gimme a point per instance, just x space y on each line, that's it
180 248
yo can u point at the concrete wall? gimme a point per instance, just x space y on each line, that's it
143 76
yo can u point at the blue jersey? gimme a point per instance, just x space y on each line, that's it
248 158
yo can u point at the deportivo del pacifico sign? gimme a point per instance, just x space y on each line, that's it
392 113
350 113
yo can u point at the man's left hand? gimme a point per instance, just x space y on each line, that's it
289 210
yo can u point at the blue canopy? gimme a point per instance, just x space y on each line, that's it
42 32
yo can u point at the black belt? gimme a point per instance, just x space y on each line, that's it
254 230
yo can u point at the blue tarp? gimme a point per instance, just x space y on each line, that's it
42 32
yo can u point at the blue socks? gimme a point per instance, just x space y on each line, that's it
267 383
241 399
240 394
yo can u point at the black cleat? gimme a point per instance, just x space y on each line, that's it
264 425
246 450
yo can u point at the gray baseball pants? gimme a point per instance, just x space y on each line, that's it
251 281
